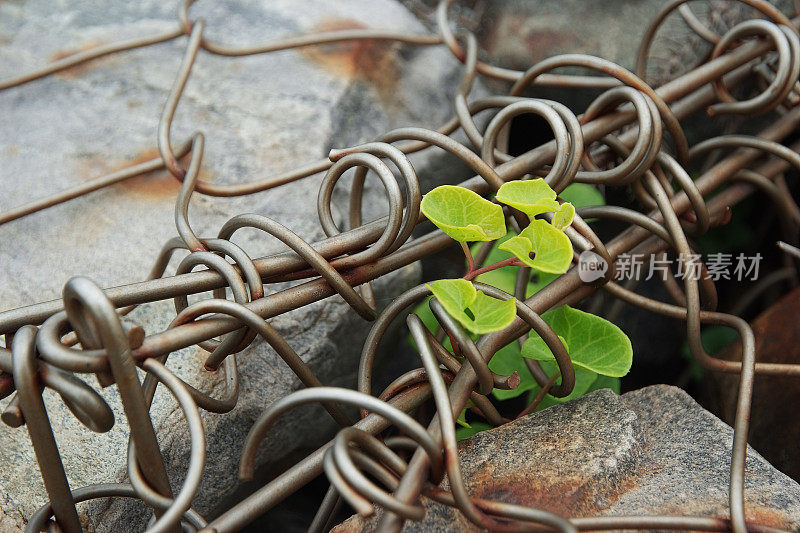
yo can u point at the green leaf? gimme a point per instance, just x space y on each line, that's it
606 382
462 419
596 382
491 314
538 281
508 359
551 248
463 214
532 197
455 295
582 195
594 343
476 427
475 310
563 217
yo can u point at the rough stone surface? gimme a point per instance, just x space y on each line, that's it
774 421
519 33
261 115
651 451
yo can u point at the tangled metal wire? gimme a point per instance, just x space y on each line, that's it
626 122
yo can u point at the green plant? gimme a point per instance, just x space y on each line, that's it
599 350
468 217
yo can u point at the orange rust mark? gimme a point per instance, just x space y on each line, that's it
79 69
566 495
153 185
12 149
369 60
776 518
156 185
754 514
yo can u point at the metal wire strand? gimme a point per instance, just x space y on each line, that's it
648 140
644 46
304 250
41 433
622 74
90 336
566 129
188 26
345 396
39 520
178 506
787 43
268 333
89 55
88 308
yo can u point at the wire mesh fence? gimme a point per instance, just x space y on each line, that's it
621 140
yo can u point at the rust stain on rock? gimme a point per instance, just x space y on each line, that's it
754 513
151 186
81 68
370 60
570 496
776 518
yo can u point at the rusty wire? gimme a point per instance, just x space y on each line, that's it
346 261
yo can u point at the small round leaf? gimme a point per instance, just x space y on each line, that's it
551 249
563 217
582 195
463 214
486 314
594 343
532 197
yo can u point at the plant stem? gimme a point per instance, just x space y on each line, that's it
539 397
456 347
468 253
511 261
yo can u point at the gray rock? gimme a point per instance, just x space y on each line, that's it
651 451
261 115
519 33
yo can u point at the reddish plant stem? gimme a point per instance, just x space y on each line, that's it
539 397
468 253
511 261
454 345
